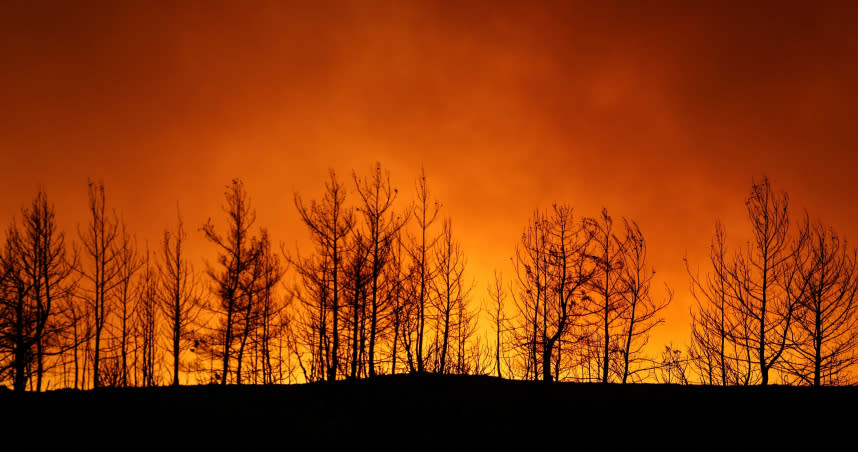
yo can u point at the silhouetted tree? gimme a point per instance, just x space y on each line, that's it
329 222
552 270
35 275
825 331
76 332
451 292
673 368
238 253
146 311
747 307
127 265
249 314
21 322
422 272
397 276
270 310
470 354
356 276
103 275
608 286
641 313
179 297
281 324
764 279
497 295
258 313
714 352
382 224
309 333
532 275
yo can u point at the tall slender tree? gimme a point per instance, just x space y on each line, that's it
382 224
717 357
128 263
642 312
309 333
270 309
103 272
764 278
608 286
330 222
497 296
146 311
426 211
21 322
179 297
450 291
37 253
238 251
397 277
356 275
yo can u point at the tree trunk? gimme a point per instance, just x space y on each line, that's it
176 338
227 342
546 362
373 321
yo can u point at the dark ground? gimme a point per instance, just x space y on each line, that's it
436 412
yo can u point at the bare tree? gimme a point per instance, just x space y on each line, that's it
715 354
382 224
356 275
397 277
552 269
103 274
825 331
497 295
270 309
146 311
451 292
179 297
673 368
21 322
77 331
532 276
470 354
36 274
309 333
330 222
641 313
249 314
127 265
608 285
764 279
238 252
420 247
282 321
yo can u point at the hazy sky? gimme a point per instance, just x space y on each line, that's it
661 114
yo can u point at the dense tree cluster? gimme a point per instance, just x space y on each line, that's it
583 301
383 288
784 303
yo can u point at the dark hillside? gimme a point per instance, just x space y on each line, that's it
437 412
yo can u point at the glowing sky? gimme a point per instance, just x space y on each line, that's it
660 113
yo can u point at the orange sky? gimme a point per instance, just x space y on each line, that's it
661 114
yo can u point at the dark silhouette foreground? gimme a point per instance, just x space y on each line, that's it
437 412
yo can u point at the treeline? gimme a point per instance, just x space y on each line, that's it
383 288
